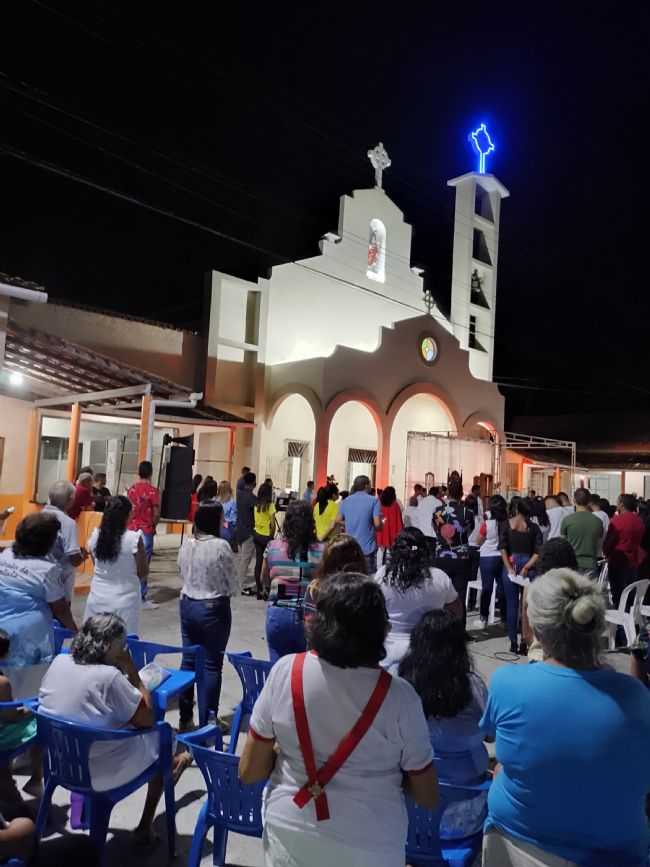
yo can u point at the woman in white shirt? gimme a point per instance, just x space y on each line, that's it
207 566
411 587
97 684
120 566
31 593
490 561
310 704
556 515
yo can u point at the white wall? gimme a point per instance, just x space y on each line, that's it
422 413
353 427
634 483
14 417
294 420
212 455
161 350
310 312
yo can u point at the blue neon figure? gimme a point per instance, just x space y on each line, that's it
483 145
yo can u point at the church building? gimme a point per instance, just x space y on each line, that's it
348 365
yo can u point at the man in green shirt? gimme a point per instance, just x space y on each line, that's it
584 531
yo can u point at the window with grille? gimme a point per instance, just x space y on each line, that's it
296 449
362 456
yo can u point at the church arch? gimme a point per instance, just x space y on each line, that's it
353 438
414 409
290 441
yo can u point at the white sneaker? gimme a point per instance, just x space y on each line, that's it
148 605
484 623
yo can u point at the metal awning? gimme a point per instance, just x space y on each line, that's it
70 373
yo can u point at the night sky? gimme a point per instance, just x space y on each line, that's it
253 122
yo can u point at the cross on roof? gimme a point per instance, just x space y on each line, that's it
483 145
380 161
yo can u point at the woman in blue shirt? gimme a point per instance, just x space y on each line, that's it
438 666
571 738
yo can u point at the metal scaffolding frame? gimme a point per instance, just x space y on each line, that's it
526 442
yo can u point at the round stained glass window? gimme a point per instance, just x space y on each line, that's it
428 349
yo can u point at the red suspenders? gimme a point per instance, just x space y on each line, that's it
317 779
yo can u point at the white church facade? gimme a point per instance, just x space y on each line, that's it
341 356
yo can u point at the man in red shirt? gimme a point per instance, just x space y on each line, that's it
622 546
83 496
145 515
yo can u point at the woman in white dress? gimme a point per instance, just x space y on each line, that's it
120 566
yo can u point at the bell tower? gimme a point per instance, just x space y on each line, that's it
475 257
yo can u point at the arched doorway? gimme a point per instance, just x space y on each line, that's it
289 444
353 444
423 413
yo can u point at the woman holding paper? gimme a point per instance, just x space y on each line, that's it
520 541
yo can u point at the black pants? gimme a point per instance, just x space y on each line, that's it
459 571
474 559
260 547
620 575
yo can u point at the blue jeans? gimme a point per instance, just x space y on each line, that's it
491 571
206 622
371 562
148 550
513 595
285 632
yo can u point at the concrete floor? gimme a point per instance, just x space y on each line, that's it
247 634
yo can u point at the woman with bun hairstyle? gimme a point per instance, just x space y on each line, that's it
411 587
571 741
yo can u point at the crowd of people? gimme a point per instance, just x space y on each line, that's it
372 694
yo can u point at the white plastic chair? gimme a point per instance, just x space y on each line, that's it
603 576
478 586
616 617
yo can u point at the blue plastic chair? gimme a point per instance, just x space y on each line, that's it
7 756
230 805
253 674
66 747
423 844
61 634
179 680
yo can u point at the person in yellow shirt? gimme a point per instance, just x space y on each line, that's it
326 511
265 526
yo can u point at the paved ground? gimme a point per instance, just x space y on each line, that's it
162 625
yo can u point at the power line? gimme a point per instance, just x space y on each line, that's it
282 258
165 212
